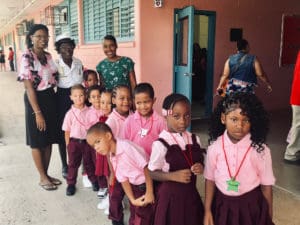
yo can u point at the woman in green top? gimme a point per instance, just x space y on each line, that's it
115 69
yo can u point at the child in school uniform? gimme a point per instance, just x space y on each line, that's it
122 100
238 170
144 126
74 126
129 164
176 159
98 112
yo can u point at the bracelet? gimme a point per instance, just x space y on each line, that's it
37 112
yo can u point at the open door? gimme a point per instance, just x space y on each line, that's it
183 57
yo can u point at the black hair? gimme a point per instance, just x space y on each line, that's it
110 38
10 48
144 88
242 44
99 127
62 41
87 72
251 107
106 90
116 88
92 88
31 32
77 87
170 101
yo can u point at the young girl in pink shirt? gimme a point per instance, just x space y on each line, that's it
175 161
238 170
129 164
122 100
99 112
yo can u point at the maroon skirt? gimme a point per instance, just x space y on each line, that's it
248 209
102 168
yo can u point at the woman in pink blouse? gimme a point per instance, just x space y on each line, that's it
38 73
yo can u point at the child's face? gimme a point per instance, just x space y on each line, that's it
122 100
237 124
109 49
78 97
105 103
100 141
94 98
144 104
91 80
180 118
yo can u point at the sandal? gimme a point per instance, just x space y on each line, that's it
48 186
55 181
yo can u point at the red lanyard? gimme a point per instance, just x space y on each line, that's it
189 159
238 170
81 123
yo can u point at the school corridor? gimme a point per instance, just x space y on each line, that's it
23 201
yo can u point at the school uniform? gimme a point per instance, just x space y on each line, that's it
116 194
128 163
100 162
78 149
116 122
143 131
177 203
67 77
245 203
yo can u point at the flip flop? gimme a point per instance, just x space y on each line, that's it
55 181
48 187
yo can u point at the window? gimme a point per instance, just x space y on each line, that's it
71 25
102 17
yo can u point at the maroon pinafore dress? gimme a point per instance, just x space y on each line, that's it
179 203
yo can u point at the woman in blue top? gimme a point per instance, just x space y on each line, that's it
114 69
241 71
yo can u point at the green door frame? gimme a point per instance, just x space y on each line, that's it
210 56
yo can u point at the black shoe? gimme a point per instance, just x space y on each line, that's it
70 190
65 172
95 186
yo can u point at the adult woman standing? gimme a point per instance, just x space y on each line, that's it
38 73
70 72
115 69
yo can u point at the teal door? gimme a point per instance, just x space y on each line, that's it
183 57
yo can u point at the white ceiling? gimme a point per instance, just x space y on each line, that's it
13 11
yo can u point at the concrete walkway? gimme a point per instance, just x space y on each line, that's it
23 202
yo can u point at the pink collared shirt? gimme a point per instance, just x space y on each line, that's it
129 162
75 122
93 115
144 131
256 169
158 154
116 122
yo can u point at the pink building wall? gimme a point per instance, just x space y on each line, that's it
152 49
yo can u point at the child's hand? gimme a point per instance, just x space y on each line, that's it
149 198
182 176
111 179
208 218
139 201
197 168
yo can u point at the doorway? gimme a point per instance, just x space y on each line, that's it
194 41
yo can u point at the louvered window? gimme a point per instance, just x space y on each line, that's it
102 17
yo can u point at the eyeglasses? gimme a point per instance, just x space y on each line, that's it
41 37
